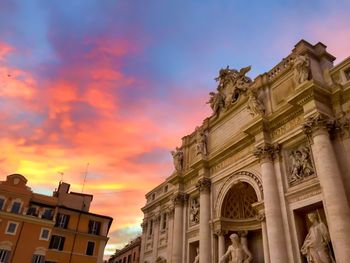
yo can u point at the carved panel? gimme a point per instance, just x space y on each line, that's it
194 211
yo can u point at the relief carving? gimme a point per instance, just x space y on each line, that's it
301 165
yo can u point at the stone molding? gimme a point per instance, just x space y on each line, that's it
203 185
179 199
267 151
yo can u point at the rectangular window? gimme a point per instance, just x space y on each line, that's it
62 221
164 221
4 255
32 211
134 256
44 234
16 206
129 259
94 227
57 242
347 74
11 228
38 259
2 202
151 228
90 248
47 214
124 260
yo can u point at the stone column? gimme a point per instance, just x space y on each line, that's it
143 239
273 213
333 191
221 243
156 225
170 233
178 200
203 186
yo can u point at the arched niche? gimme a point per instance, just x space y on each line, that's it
235 179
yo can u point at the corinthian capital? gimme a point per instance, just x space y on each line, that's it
179 198
267 151
203 184
317 122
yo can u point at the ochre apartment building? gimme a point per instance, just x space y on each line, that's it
36 228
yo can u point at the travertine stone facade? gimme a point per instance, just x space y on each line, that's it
266 173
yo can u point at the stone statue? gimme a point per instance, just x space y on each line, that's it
239 252
255 105
216 101
315 247
301 69
196 259
301 164
178 158
201 142
194 212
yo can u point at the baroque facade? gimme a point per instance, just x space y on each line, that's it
266 178
49 229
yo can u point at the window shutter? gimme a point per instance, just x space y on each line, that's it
98 228
52 241
7 256
62 243
67 221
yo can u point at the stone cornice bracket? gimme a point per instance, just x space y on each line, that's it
179 198
267 151
315 123
204 185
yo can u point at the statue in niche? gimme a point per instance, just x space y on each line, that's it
237 251
196 259
301 164
194 212
201 141
316 244
178 158
255 105
301 69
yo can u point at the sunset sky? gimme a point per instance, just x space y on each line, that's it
116 84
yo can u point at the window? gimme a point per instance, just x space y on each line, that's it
44 234
153 196
32 211
151 228
47 214
165 188
129 258
347 74
2 203
124 260
38 259
4 255
16 206
11 228
62 221
134 256
57 242
94 227
90 248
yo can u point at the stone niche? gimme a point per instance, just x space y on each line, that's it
303 225
192 253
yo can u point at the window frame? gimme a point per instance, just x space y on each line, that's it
17 200
7 228
38 256
2 208
95 227
59 221
41 234
59 244
87 246
5 256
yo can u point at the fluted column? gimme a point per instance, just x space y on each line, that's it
273 213
221 243
333 191
203 186
178 200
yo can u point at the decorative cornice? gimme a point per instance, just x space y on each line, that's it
179 198
267 151
203 184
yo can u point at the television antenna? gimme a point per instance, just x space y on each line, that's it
86 172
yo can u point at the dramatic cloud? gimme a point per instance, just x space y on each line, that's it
108 89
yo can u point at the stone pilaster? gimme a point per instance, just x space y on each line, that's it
178 200
221 242
317 128
203 186
277 245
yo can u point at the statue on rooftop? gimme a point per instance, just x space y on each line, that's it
201 141
178 159
301 69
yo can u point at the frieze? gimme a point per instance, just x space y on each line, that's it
287 127
304 196
230 160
